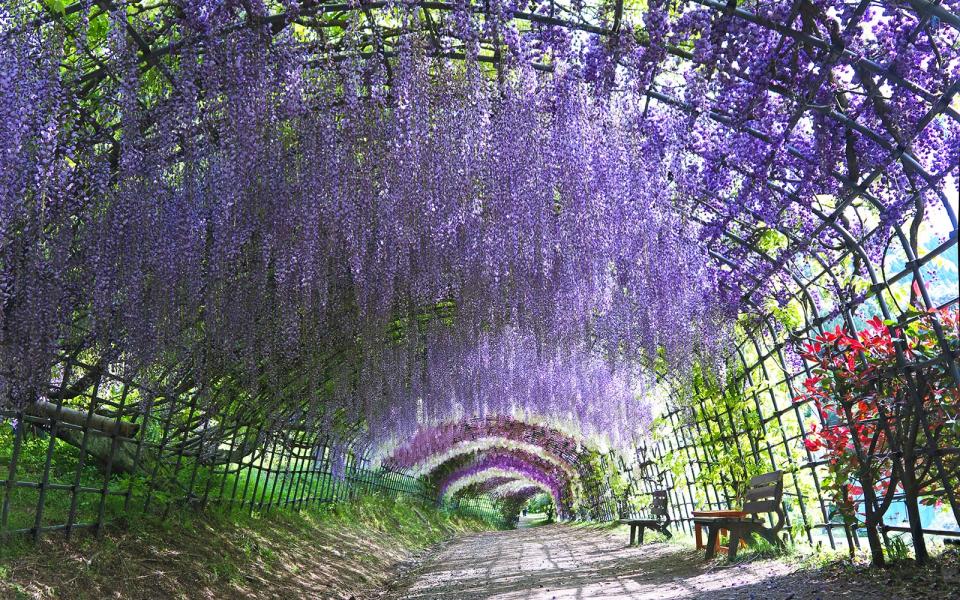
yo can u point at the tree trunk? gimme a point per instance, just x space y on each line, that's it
101 448
872 519
913 516
876 546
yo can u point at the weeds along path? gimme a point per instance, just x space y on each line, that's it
579 562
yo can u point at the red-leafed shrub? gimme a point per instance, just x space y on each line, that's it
888 401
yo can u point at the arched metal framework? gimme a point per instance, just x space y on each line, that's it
279 456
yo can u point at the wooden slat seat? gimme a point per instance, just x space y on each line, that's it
764 495
648 522
721 520
659 522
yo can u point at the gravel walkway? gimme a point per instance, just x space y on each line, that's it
568 562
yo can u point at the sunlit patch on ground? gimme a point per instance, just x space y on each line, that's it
560 562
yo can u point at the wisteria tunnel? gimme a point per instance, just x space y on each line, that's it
607 261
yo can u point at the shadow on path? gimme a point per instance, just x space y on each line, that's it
574 562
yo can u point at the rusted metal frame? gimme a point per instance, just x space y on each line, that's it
226 469
108 470
158 459
179 452
788 381
306 471
246 480
690 485
284 473
255 504
696 444
760 417
81 462
9 484
783 436
45 478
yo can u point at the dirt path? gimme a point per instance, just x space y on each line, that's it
566 562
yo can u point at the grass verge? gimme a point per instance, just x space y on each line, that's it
335 551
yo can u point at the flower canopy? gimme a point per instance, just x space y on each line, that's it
393 227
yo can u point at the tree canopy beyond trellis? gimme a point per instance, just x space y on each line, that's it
321 230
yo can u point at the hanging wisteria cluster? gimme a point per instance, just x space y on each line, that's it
511 375
445 220
471 248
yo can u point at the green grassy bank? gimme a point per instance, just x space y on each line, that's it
336 551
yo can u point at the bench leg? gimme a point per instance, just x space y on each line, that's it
733 544
713 539
699 535
633 533
640 535
771 537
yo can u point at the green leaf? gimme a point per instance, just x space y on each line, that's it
57 6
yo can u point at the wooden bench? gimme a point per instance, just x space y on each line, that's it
659 522
764 495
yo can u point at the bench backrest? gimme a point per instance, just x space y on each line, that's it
765 494
658 508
